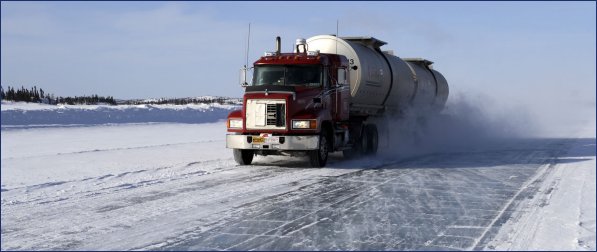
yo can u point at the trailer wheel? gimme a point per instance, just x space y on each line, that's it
243 157
372 139
319 158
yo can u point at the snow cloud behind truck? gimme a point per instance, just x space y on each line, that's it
324 96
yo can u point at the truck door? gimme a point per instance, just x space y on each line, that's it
341 94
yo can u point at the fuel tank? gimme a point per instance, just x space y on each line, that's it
381 82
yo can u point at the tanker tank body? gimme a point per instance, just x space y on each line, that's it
381 82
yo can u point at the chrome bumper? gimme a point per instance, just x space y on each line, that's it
290 143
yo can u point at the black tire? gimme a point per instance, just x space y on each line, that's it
243 157
372 139
363 144
319 158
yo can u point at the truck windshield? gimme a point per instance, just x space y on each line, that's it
288 75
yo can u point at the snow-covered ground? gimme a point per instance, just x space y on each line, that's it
561 216
108 185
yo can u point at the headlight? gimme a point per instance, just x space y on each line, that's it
304 124
235 123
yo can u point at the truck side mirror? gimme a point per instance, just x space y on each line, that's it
342 76
243 77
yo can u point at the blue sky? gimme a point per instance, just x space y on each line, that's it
543 51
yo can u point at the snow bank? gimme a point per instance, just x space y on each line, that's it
18 114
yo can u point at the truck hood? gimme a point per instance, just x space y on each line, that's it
303 94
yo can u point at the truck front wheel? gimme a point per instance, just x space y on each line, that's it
319 158
243 157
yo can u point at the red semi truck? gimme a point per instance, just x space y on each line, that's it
324 96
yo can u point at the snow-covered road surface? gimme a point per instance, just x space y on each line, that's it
175 187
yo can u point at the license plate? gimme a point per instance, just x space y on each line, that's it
269 140
258 140
272 140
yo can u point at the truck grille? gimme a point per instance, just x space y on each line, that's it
266 114
275 115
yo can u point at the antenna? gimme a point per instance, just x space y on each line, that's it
248 43
244 69
337 24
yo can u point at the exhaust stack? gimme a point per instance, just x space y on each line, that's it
278 45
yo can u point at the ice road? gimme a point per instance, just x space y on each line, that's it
169 186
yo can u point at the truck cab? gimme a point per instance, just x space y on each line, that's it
330 94
293 106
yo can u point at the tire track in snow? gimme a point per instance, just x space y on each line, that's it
113 149
112 182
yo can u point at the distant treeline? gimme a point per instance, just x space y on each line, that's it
184 101
39 96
